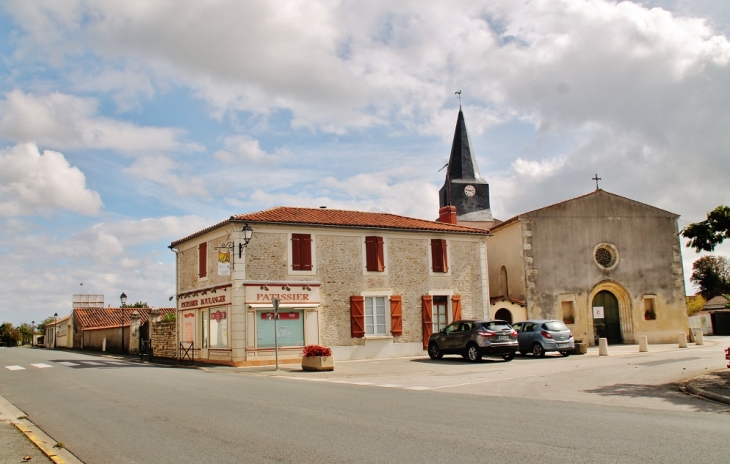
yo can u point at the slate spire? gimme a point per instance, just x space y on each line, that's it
464 186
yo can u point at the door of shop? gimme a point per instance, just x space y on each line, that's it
610 325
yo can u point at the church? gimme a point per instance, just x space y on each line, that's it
608 266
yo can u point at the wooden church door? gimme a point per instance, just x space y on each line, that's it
610 325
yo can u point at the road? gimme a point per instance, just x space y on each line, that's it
621 408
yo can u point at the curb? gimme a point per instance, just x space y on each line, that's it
37 436
689 387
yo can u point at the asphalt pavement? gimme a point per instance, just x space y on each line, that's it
21 441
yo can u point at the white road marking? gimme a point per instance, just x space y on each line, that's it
117 363
41 365
92 363
68 363
15 368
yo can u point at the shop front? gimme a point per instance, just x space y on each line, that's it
298 323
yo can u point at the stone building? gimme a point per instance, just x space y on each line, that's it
606 265
368 285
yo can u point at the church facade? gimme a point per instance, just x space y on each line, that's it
608 266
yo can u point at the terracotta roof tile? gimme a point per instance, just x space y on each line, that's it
338 218
101 318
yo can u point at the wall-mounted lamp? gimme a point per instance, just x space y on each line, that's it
308 288
213 291
264 287
286 287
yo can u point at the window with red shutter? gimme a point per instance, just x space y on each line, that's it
301 247
203 260
456 307
374 254
439 261
396 316
357 316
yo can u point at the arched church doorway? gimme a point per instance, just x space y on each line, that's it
503 314
608 326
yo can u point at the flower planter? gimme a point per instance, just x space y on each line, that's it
318 363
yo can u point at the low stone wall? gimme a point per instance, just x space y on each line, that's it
164 339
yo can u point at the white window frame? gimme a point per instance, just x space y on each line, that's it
375 294
449 306
289 261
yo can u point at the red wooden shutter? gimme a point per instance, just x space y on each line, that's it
357 316
438 255
374 254
203 260
427 312
301 251
396 316
306 249
456 307
296 254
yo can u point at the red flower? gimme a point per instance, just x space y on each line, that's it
316 350
727 355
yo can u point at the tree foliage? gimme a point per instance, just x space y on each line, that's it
41 328
706 235
9 335
712 275
695 304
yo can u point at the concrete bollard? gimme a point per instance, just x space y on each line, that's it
103 344
699 338
643 344
602 347
683 340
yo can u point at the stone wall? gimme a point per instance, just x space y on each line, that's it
164 339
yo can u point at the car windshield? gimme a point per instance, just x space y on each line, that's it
555 326
496 325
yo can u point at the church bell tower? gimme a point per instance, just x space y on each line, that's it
464 188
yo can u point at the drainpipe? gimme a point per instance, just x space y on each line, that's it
177 292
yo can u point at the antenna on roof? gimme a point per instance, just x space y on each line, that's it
443 167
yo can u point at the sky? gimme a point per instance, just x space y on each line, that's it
125 125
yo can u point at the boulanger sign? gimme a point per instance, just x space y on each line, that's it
198 302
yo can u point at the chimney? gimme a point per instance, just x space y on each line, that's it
447 214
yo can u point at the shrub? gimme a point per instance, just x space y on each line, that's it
316 350
169 317
727 355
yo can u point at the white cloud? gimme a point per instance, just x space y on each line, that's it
68 122
160 170
31 183
240 149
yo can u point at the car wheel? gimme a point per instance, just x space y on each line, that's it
472 353
434 352
538 351
565 353
509 356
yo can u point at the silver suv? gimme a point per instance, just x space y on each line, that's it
473 339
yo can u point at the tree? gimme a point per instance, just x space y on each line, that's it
139 304
9 335
706 235
41 328
25 333
695 304
712 275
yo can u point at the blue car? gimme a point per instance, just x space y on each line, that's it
540 336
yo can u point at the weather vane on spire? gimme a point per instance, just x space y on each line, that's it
458 92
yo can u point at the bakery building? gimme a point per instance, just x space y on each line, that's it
368 285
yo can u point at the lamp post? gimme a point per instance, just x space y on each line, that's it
247 234
123 299
55 329
32 332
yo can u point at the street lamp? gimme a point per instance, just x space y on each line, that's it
123 299
247 234
55 329
32 332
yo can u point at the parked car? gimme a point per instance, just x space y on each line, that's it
473 339
540 336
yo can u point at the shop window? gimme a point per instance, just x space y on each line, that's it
439 260
301 247
568 312
290 326
203 260
649 309
374 255
218 329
